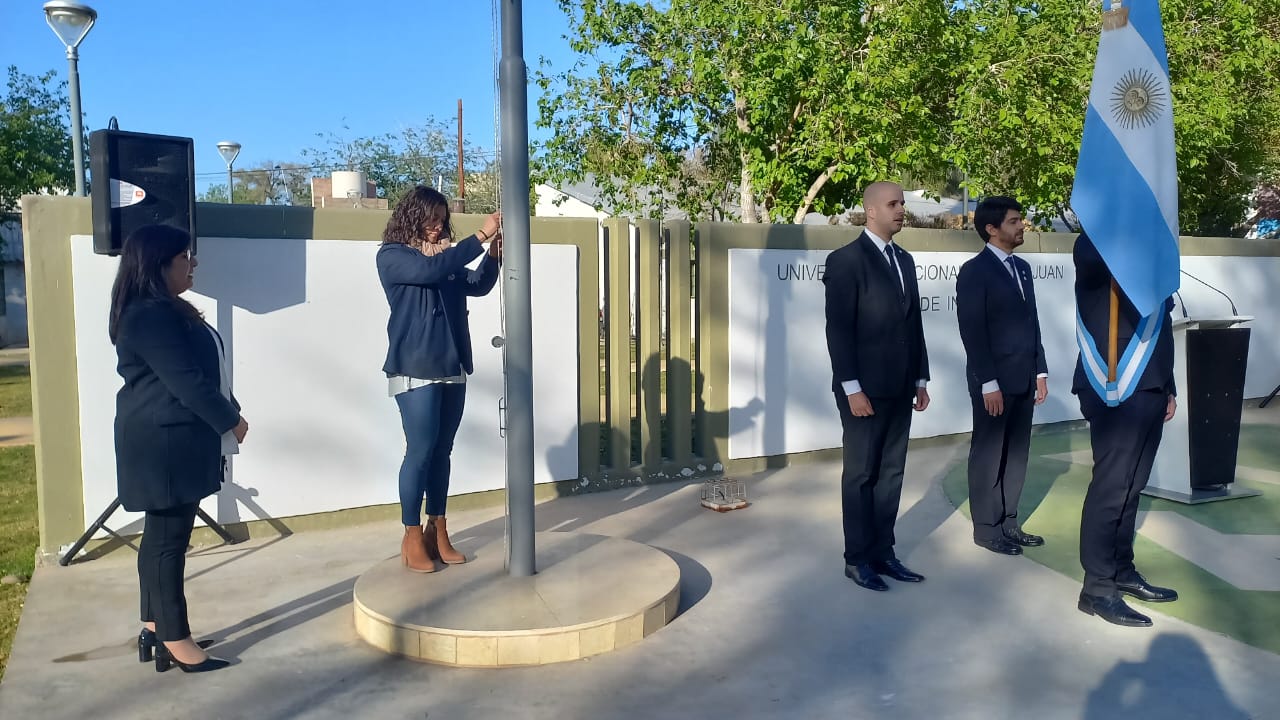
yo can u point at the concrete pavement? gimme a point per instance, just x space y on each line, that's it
768 628
15 431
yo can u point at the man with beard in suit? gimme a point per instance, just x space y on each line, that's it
1006 373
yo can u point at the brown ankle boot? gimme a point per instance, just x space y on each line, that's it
429 541
412 553
448 553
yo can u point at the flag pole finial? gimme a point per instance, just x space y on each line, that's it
1116 17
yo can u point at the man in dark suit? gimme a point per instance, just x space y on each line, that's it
1125 438
1006 372
879 370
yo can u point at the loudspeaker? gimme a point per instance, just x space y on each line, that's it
140 179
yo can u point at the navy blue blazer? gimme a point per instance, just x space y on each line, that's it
170 414
873 336
1093 299
1000 330
428 335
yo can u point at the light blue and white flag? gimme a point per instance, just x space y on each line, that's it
1126 185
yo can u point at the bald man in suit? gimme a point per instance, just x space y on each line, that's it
880 367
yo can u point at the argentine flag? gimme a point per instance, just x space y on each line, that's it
1126 185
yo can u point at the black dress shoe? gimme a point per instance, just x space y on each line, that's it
1113 610
1021 538
166 660
896 570
865 577
147 645
1144 590
999 545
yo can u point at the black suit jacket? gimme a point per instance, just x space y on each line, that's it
170 414
872 335
1000 330
1093 299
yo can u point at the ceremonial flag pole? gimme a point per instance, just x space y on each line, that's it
1126 187
516 293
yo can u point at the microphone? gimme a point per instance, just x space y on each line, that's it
1228 297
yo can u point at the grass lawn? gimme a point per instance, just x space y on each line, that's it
15 391
18 537
19 534
1054 494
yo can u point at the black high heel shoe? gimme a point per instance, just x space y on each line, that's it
166 660
146 645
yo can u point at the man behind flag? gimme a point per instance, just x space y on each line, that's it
1126 198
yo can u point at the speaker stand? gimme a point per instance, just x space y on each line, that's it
101 522
1270 397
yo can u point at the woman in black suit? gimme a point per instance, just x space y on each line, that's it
175 420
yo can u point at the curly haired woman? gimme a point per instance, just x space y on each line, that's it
427 282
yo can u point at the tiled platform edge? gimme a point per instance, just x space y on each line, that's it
592 595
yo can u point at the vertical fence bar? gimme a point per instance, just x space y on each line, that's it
617 303
679 341
712 331
649 342
585 235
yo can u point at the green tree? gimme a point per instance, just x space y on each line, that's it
1020 94
426 154
1023 84
798 104
1224 63
217 193
35 138
483 189
267 183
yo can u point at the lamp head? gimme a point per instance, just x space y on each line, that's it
70 21
229 151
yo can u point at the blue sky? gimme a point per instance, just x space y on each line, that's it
271 74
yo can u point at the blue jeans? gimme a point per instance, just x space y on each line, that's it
430 415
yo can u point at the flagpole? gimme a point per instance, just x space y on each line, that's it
1113 333
518 346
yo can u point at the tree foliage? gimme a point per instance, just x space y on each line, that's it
1017 112
1019 106
1224 61
267 183
35 138
799 104
395 162
795 102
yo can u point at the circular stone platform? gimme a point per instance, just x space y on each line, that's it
592 594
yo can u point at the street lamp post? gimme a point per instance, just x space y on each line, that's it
71 22
229 151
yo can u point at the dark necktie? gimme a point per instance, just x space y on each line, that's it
897 276
1014 269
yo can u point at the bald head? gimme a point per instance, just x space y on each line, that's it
885 207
